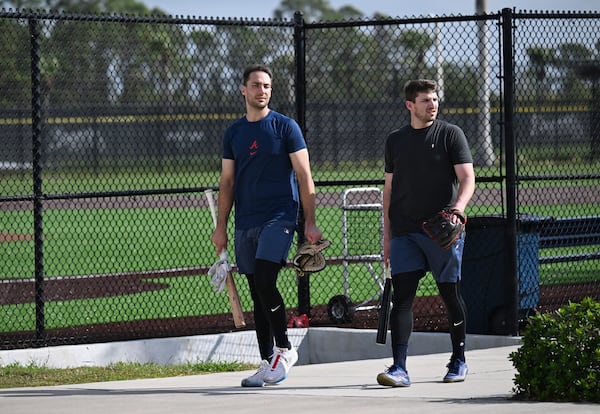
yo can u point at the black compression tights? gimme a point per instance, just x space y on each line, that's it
457 314
269 310
401 317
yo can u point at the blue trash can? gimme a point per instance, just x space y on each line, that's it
528 247
486 284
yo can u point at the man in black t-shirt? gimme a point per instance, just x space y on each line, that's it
428 168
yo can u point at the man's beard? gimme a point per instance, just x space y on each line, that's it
425 118
257 105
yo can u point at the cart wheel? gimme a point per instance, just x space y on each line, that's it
340 309
499 321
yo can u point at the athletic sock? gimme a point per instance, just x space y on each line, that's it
400 356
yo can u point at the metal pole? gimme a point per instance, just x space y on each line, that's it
300 86
511 182
36 136
439 62
484 149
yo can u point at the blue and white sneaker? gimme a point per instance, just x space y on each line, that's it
394 376
282 362
258 378
457 371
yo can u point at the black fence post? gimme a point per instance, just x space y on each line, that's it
510 149
300 88
36 136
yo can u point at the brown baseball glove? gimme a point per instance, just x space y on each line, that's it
445 227
309 257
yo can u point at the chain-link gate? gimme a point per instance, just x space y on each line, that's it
111 127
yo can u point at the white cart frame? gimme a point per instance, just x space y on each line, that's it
340 308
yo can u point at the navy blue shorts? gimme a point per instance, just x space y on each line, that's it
416 251
270 242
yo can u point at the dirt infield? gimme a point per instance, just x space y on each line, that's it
13 292
12 237
483 196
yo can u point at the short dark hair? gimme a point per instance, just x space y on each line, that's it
256 68
414 87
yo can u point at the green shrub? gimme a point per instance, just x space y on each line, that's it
559 359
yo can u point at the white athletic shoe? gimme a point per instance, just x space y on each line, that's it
282 362
258 378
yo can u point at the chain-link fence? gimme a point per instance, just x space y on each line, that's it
111 127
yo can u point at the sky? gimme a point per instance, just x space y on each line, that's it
263 9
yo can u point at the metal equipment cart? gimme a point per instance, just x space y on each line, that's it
362 243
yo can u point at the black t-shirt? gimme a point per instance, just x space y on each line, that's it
422 162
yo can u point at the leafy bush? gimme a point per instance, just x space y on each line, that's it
559 359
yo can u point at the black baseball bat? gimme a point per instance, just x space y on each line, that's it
384 311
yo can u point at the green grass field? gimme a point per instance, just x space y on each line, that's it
31 375
93 242
96 241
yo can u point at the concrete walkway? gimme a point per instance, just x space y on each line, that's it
346 387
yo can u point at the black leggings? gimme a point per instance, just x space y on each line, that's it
269 310
401 317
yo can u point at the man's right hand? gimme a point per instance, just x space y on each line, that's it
219 239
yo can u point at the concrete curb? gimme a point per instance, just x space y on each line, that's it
315 346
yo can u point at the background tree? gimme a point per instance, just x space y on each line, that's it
315 10
120 63
15 74
415 44
569 55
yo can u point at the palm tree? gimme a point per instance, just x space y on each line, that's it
416 43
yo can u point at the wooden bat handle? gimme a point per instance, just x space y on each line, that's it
234 300
232 293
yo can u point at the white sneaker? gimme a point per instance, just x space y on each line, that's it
258 378
282 362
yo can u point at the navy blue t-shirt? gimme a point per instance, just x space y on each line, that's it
265 184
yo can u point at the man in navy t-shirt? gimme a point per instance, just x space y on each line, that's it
265 173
